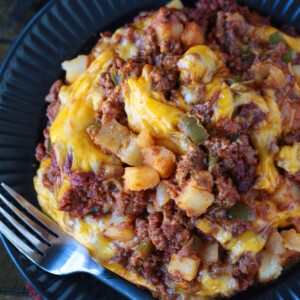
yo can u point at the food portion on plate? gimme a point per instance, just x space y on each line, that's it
172 151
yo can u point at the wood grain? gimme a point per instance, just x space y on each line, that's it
12 284
14 15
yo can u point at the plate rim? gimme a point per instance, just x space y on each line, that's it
4 66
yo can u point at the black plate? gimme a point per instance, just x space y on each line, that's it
61 30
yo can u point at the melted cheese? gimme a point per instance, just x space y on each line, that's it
147 109
288 158
266 31
199 63
68 135
223 285
219 233
267 133
249 241
224 106
87 231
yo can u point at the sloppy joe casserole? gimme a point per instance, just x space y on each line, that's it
172 151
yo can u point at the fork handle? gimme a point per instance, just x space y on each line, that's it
120 284
127 288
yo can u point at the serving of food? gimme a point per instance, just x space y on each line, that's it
172 150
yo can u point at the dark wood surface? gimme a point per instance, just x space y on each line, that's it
12 284
14 15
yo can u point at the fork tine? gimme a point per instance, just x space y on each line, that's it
45 235
17 242
40 245
33 211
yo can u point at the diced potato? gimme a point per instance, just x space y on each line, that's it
121 232
112 136
291 239
287 192
166 30
288 158
209 253
162 194
192 35
140 178
199 63
120 228
275 243
270 267
131 154
224 284
194 201
276 78
186 267
219 233
248 241
161 159
296 223
75 67
295 70
144 139
175 4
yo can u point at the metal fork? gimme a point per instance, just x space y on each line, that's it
43 242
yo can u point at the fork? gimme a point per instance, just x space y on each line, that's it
43 242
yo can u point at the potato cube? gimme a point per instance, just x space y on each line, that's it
186 267
140 178
131 154
144 139
75 67
192 35
275 243
112 136
270 267
119 228
121 232
162 194
209 253
194 201
291 239
161 159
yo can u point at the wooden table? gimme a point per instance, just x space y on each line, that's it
12 284
14 15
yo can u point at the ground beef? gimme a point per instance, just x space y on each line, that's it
237 160
113 107
168 235
191 163
83 200
156 233
164 80
246 269
205 110
141 226
130 203
106 83
171 46
122 256
40 152
226 192
230 33
130 69
53 99
226 127
236 227
245 116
